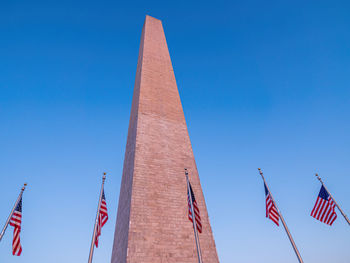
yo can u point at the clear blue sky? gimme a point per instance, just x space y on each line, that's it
263 84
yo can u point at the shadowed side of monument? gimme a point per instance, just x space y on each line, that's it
152 224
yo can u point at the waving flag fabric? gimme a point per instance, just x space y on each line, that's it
195 209
271 210
16 221
102 217
324 208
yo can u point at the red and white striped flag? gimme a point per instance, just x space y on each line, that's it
16 221
195 209
324 208
271 210
102 217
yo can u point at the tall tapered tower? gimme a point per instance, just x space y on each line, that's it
152 224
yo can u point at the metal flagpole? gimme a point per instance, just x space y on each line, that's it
199 253
341 211
283 222
13 209
96 220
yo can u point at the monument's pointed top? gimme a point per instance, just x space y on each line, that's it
151 17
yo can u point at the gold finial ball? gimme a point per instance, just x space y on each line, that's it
25 184
259 169
104 173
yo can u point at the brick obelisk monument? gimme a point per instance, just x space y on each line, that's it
152 222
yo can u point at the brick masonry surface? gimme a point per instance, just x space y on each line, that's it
152 224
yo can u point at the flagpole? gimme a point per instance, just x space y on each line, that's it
341 211
199 253
13 209
96 220
283 222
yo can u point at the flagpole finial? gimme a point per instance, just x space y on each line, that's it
318 177
104 176
24 186
260 171
186 172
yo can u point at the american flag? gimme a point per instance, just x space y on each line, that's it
271 210
102 217
195 209
324 208
16 221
